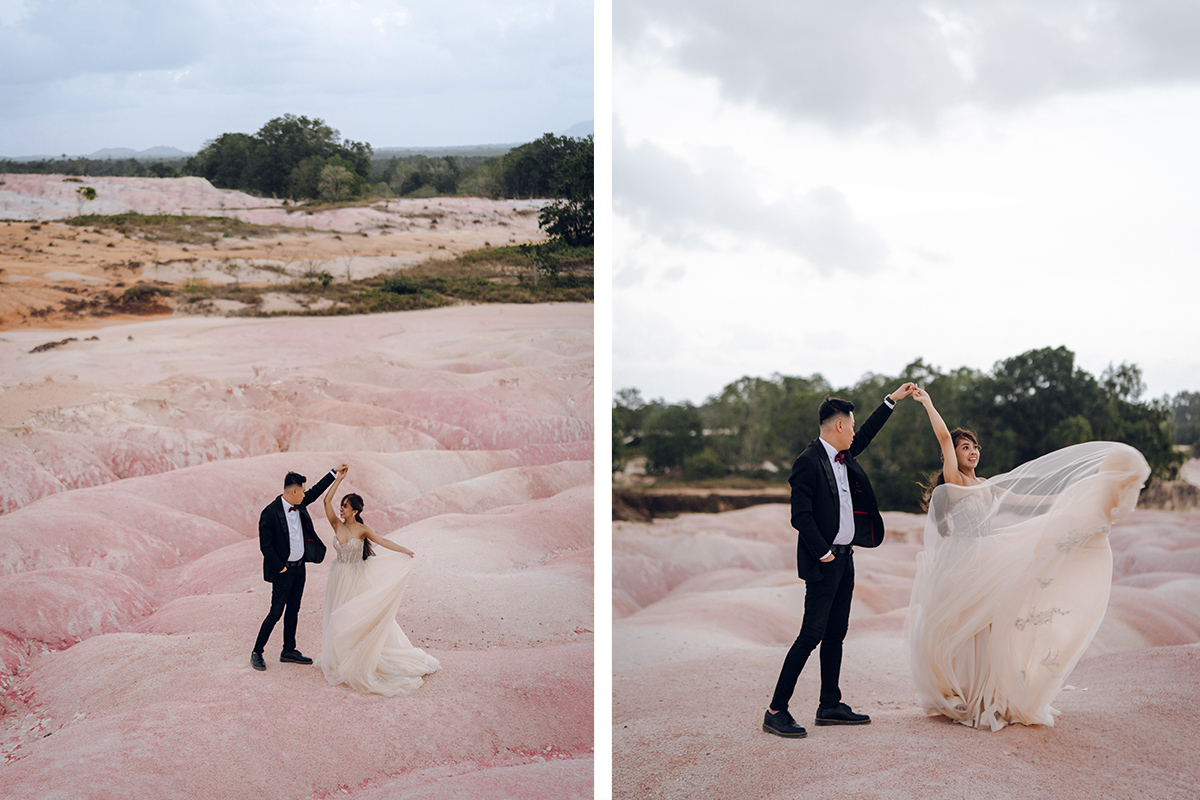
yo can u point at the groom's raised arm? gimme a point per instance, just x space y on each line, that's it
879 416
319 487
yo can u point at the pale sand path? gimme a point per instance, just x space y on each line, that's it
705 607
132 472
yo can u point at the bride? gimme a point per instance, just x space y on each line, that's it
362 646
1015 576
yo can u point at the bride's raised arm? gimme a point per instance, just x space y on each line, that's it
330 514
382 542
945 441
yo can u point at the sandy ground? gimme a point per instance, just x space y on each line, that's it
133 465
705 607
46 265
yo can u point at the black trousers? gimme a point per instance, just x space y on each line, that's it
286 591
826 618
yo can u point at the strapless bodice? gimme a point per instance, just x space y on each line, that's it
350 552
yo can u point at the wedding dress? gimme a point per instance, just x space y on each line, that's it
362 646
1013 583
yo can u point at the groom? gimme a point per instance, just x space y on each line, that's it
833 508
287 539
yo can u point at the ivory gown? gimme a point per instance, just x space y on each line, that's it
1014 581
362 645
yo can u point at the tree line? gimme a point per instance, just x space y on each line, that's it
96 167
1025 407
303 159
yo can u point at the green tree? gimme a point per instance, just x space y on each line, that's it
570 219
672 434
282 143
285 158
705 465
1185 414
86 194
226 162
337 183
305 180
618 443
631 411
758 420
1032 394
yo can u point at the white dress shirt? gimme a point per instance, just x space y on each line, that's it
841 477
295 531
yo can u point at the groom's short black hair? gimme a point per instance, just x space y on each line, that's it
294 479
832 406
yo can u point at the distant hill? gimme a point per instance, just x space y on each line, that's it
162 151
580 129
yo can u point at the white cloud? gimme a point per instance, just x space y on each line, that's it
706 203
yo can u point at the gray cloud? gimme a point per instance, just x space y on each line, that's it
663 196
852 64
467 72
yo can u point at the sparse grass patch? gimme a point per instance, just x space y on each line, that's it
180 228
497 275
510 261
198 290
193 285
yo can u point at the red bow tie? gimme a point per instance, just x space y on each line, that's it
296 508
840 458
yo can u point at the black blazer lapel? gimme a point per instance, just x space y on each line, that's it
830 480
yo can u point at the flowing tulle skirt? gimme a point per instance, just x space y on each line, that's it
1014 581
362 645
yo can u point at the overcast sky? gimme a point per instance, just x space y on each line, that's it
821 186
77 76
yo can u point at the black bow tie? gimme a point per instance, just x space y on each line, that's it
840 458
294 508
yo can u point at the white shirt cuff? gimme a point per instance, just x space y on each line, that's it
887 398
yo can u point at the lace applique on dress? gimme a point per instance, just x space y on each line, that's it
1076 536
1040 617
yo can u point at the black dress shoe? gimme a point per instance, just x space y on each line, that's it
841 714
294 657
256 661
781 723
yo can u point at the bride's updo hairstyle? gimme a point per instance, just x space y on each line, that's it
356 503
936 479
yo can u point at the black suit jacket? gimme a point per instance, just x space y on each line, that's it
273 532
815 507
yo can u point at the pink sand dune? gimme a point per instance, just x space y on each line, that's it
131 580
242 408
704 611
